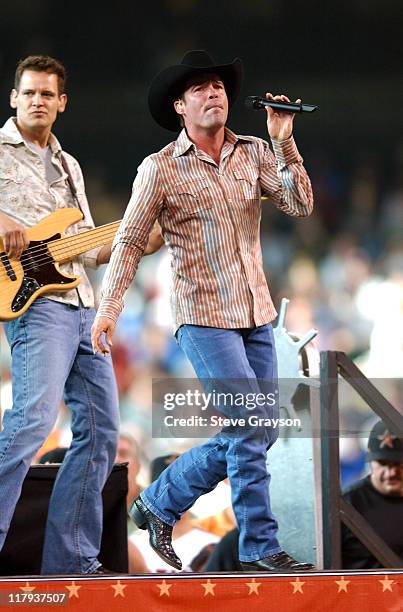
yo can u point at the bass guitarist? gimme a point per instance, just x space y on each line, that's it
51 350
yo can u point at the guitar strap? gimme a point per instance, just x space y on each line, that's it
71 182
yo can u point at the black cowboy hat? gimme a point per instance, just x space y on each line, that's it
169 84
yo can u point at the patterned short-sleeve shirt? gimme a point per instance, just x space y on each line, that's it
27 197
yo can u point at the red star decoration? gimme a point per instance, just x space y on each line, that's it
386 439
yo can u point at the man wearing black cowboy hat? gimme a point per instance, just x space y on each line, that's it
205 190
379 498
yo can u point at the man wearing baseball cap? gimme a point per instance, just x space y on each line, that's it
379 498
205 189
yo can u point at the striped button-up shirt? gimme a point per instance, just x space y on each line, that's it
27 197
210 217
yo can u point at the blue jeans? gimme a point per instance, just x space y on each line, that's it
51 354
248 358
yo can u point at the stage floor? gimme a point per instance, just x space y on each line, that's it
328 590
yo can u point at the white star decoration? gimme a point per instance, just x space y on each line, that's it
253 587
386 584
342 584
164 588
73 590
297 586
209 588
118 588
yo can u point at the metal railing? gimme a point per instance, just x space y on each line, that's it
334 509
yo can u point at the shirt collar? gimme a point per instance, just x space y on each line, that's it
183 142
13 136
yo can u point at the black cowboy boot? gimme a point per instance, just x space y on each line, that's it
160 533
280 562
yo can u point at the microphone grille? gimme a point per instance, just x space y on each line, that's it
252 103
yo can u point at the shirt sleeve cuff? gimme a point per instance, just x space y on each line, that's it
286 152
110 307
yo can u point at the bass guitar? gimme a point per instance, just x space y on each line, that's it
37 270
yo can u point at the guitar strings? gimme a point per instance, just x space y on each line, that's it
45 256
77 237
46 259
69 241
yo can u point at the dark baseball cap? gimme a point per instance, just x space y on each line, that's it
384 444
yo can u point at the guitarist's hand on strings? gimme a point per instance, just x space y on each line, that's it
14 237
102 325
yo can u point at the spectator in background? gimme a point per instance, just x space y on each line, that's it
379 498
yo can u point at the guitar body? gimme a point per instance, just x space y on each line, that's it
36 272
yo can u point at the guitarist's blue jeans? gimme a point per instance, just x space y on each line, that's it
52 358
238 361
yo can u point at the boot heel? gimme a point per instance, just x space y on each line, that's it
138 517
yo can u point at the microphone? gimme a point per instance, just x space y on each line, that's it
257 103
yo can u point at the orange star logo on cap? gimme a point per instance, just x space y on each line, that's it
386 439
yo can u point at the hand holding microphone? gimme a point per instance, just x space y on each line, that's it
257 103
280 113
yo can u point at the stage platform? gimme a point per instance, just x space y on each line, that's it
329 590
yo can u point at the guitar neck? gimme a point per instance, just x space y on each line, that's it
69 247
